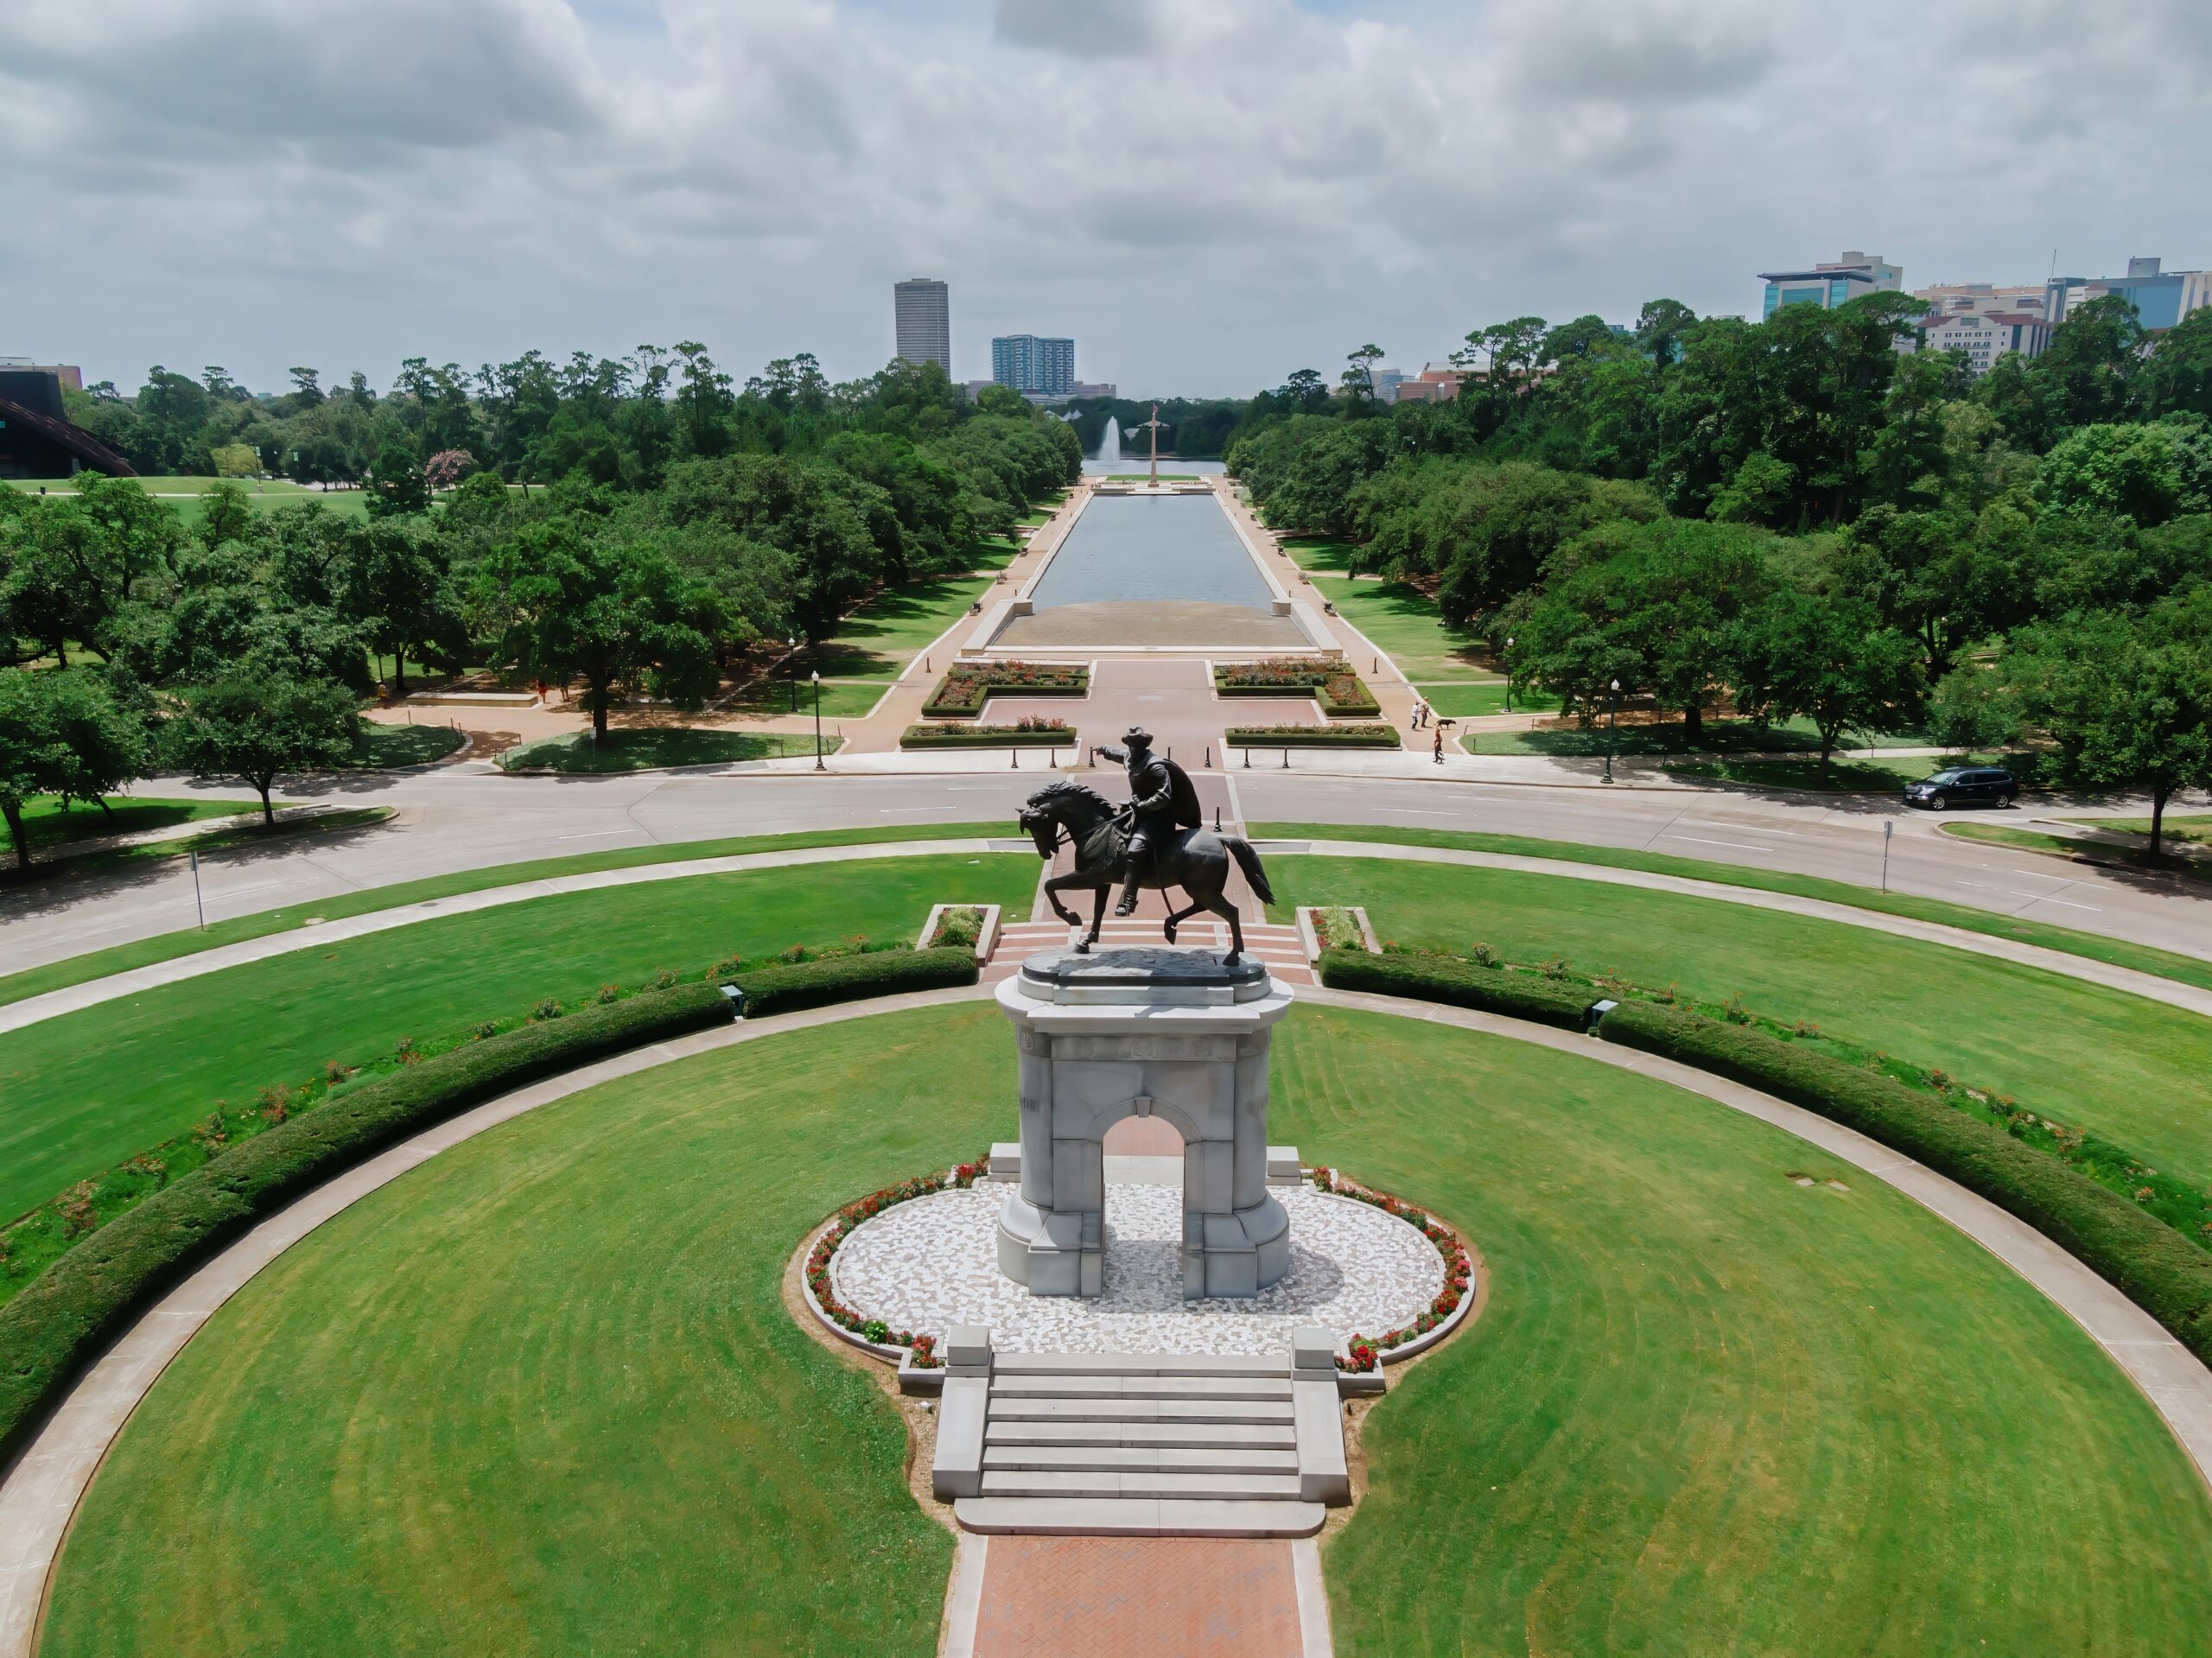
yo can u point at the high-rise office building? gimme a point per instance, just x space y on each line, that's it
2161 298
924 307
1033 366
1831 285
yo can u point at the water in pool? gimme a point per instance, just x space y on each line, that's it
1153 547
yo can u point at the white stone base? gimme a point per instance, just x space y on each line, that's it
932 1263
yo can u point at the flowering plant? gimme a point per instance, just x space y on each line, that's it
1362 1354
960 1178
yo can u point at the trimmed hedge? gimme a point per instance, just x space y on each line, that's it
2162 1272
1458 984
985 737
70 1310
786 987
964 688
1377 736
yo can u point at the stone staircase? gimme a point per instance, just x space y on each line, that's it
1141 1443
1277 946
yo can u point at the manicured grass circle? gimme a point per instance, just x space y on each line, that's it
543 1394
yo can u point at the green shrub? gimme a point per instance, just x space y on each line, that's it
1346 736
80 1302
1033 732
2146 1260
1441 978
781 989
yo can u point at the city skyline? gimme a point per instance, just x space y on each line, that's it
472 181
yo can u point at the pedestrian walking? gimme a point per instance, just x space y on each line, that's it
1439 744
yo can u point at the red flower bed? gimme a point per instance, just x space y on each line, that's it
923 1348
1365 1351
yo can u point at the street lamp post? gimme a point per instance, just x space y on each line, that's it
818 765
1509 673
791 647
1611 718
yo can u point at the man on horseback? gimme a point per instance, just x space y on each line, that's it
1162 801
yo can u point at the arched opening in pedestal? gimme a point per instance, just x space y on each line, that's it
1143 1137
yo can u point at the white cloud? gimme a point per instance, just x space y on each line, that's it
1207 196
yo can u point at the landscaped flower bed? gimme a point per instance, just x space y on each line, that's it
921 1347
1345 736
1034 732
1365 1351
964 691
1341 693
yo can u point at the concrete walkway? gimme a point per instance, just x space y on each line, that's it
41 1493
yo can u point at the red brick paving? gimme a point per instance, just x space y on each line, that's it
1160 1596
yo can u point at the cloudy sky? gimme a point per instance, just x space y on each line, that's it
1206 193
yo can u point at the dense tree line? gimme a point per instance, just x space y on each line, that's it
1802 517
679 526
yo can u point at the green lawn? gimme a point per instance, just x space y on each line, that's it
637 749
2193 827
1405 626
163 947
86 1090
1484 697
1316 553
542 1394
409 744
2132 1069
49 824
1878 775
767 698
2067 847
1720 737
2097 947
883 635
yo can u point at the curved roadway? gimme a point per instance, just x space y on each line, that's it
455 819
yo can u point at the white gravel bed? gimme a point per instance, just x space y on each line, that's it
932 1263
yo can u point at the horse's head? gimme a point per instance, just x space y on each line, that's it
1072 806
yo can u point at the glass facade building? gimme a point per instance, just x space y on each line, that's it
1032 364
1830 285
923 310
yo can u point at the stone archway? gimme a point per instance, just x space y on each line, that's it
1146 1034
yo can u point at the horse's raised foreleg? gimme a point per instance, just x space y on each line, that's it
1058 883
1183 914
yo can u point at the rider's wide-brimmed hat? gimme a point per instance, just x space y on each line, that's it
1136 734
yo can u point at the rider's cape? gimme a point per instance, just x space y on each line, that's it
1182 795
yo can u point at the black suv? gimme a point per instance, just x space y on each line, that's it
1963 785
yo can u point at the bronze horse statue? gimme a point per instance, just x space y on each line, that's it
1196 859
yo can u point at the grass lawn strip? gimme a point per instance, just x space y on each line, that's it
85 1091
648 747
1482 699
2129 1068
170 946
2113 952
883 635
1868 1436
1877 776
49 824
2193 827
784 698
1405 625
2079 850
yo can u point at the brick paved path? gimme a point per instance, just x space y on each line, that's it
1160 1597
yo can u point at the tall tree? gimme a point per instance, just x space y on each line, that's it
2127 701
396 586
62 732
611 612
255 724
1828 658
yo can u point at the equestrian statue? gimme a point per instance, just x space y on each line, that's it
1157 839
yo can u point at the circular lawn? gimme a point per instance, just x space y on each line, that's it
542 1394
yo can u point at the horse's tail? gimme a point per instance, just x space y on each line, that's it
1249 861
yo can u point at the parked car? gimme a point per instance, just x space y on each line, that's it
1963 785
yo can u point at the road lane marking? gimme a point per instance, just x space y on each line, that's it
1740 846
597 834
1749 828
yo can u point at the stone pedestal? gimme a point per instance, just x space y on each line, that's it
1143 1032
